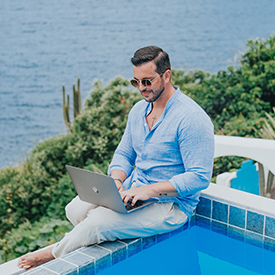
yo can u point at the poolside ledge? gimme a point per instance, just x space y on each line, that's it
242 199
235 213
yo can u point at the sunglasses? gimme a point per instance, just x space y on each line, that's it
144 82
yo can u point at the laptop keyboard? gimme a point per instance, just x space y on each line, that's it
129 205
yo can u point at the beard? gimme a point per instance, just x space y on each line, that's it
155 94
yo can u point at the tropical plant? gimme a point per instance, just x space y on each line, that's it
76 104
268 129
268 132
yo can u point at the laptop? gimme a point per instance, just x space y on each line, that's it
101 190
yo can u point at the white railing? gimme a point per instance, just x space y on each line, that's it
260 150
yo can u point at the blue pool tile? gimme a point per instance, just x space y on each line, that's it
219 227
113 246
237 216
61 267
269 244
87 269
193 221
118 250
255 222
162 237
253 238
133 246
39 271
270 227
129 241
94 251
103 263
147 242
203 222
176 231
235 233
101 255
204 207
220 211
86 264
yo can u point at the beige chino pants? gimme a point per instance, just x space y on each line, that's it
96 224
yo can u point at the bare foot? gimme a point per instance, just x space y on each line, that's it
33 259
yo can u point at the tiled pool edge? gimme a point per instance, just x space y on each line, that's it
239 215
231 212
93 259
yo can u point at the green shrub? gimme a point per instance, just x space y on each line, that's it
50 228
241 91
33 189
26 190
236 99
32 236
99 128
241 126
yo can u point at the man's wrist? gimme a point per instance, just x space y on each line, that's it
118 180
163 189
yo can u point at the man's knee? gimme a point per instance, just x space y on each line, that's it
77 210
71 213
74 211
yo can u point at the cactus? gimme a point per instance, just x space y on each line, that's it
66 109
76 104
77 99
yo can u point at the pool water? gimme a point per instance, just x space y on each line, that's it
198 251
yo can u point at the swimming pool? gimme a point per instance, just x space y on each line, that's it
246 221
198 251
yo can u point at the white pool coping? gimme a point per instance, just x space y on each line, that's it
11 268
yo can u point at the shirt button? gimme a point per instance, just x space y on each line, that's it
145 124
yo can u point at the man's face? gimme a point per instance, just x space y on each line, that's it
148 71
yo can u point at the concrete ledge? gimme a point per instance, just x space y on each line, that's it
11 268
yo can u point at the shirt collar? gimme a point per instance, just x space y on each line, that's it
170 102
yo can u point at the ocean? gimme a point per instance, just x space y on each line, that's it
45 44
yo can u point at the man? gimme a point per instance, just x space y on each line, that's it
169 140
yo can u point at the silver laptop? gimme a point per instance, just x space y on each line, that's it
101 190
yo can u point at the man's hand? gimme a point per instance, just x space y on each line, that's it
159 189
138 193
119 185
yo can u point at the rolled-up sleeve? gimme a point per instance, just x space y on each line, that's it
196 144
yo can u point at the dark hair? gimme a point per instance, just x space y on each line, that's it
152 53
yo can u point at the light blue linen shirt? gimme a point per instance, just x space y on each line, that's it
179 148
